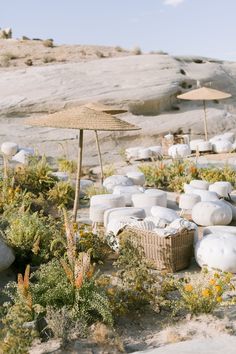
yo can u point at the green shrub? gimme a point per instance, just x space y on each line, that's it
48 43
65 165
62 194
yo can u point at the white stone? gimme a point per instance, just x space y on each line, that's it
6 256
144 153
222 188
21 157
211 213
199 184
62 176
117 213
179 151
9 148
132 153
127 192
217 252
204 146
96 213
109 200
222 146
116 180
137 178
187 201
195 143
164 213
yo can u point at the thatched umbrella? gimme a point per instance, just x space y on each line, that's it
204 94
81 118
100 107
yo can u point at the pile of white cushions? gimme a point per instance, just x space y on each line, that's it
223 143
143 153
212 213
179 151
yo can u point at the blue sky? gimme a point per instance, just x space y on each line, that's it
202 27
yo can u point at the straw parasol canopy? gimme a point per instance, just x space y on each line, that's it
100 107
81 118
204 94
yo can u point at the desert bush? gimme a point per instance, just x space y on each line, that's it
48 59
109 170
29 62
119 49
99 54
201 292
95 190
30 235
62 194
65 165
48 43
137 51
219 174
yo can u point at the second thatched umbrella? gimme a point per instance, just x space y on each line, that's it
204 94
81 118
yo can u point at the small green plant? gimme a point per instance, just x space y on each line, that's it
65 165
109 170
47 59
48 43
95 190
62 194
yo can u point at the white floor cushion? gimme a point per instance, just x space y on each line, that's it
179 151
117 213
222 146
116 180
205 146
147 201
187 201
109 200
164 213
137 178
211 213
127 192
96 213
194 144
215 229
222 188
217 252
144 153
199 184
162 195
9 148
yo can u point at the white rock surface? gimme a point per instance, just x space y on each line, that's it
217 252
116 180
6 256
211 213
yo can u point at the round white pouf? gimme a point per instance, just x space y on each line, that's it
205 146
9 148
137 178
127 192
96 213
132 153
219 229
217 252
195 143
116 180
206 196
179 151
161 195
222 146
62 176
156 150
199 184
233 209
109 200
187 201
211 213
118 213
147 201
6 256
164 213
144 153
223 189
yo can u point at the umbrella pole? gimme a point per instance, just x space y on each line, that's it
78 175
99 155
205 120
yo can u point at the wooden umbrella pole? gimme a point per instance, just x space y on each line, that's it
78 175
99 155
205 121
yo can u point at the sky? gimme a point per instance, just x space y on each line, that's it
179 27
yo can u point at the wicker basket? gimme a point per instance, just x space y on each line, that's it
171 253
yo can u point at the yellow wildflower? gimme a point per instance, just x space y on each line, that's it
206 292
188 287
219 299
212 281
218 288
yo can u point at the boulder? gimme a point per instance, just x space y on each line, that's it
6 256
116 180
9 148
217 251
211 213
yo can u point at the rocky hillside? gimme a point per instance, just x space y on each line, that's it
146 85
